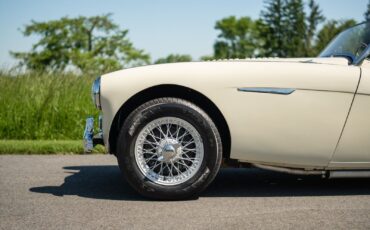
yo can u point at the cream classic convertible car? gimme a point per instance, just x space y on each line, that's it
172 126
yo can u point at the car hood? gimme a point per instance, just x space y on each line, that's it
193 68
313 60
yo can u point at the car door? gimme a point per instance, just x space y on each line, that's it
353 150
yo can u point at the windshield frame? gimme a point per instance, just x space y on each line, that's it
355 61
364 55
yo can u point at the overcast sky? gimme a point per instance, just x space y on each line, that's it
160 27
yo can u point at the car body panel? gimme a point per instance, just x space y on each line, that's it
354 147
300 129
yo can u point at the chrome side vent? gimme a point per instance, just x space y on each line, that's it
283 91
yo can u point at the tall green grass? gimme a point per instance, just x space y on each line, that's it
44 106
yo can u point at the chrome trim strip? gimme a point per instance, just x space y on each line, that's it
88 135
283 91
349 174
290 170
95 93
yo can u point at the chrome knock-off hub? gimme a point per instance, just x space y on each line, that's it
169 150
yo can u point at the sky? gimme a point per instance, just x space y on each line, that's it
160 27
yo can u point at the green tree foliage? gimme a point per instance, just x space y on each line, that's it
367 13
272 27
237 38
172 58
314 18
207 58
296 30
284 29
287 30
329 31
87 43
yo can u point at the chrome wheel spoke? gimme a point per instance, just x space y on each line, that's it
186 150
171 170
183 164
161 169
155 166
188 159
181 138
149 152
150 158
169 134
150 143
177 170
177 132
161 132
155 138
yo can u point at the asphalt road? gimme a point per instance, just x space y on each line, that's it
79 192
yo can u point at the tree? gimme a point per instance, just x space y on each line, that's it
237 38
330 30
296 31
314 18
172 58
287 30
87 43
207 58
272 26
367 13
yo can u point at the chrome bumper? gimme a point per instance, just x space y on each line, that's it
91 140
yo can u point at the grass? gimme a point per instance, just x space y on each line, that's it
44 147
42 106
44 113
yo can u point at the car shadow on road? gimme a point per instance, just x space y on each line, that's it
106 182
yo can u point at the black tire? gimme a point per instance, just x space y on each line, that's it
178 108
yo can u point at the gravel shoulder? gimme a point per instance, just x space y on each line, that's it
87 191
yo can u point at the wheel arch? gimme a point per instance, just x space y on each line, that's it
170 90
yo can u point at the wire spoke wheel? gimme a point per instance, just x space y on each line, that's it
169 151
